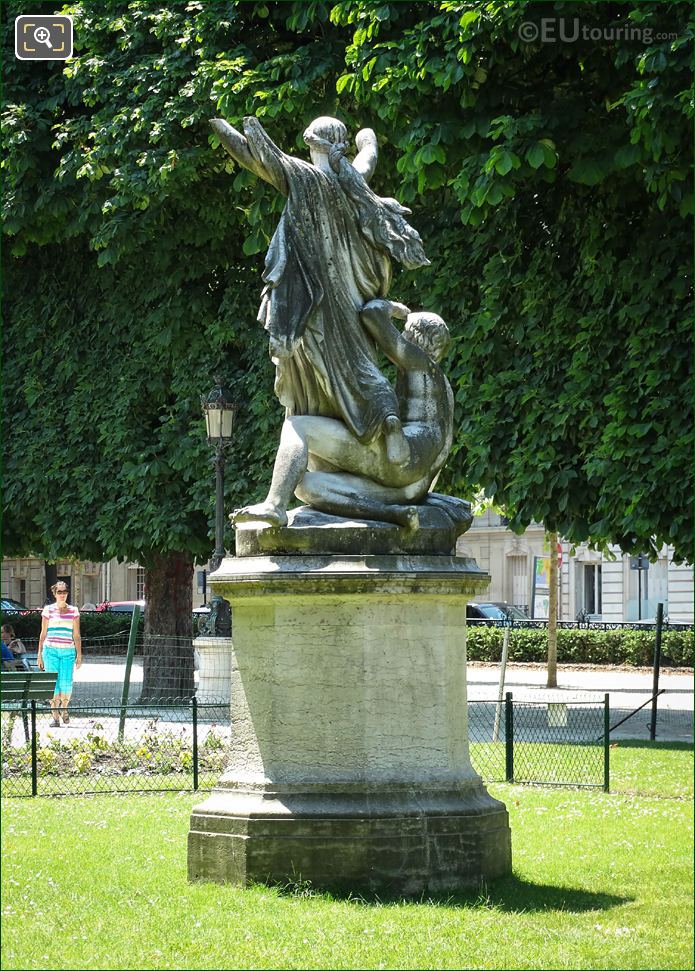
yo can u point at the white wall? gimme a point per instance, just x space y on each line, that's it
680 593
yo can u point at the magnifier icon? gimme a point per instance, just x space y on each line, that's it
42 35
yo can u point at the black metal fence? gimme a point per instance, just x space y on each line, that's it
158 717
113 749
565 743
136 748
532 623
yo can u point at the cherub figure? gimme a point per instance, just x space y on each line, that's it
367 483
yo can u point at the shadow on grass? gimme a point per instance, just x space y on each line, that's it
509 894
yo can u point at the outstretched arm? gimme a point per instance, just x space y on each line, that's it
376 317
237 145
367 153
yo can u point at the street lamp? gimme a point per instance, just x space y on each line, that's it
219 411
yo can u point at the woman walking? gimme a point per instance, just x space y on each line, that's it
60 648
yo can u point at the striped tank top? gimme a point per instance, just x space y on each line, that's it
60 625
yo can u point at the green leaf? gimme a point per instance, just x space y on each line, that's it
504 163
345 83
586 172
536 156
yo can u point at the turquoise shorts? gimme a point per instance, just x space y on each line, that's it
62 661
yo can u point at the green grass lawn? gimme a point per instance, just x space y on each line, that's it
600 881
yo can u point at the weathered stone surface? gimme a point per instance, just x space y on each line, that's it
407 840
373 576
349 753
310 531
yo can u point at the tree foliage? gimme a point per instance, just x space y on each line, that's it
553 183
550 183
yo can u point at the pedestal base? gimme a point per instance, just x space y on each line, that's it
394 840
349 753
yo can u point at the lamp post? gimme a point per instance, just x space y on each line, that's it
219 411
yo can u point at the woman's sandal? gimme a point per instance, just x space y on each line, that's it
66 718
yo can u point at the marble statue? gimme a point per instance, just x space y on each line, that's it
370 484
330 255
352 445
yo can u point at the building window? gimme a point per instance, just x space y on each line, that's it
591 599
518 581
20 590
646 588
90 591
140 583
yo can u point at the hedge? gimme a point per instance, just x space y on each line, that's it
582 646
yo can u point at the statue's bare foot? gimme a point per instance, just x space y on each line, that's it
399 310
264 512
412 518
405 516
397 448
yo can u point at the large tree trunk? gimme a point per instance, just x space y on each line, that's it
552 611
168 660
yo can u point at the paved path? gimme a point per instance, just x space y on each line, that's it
628 689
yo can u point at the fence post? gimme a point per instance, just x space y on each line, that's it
34 766
194 705
657 665
509 737
135 621
500 692
606 743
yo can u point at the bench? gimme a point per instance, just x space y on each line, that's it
19 688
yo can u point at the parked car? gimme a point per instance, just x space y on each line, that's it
10 606
120 606
494 611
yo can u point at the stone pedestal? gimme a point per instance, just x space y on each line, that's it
350 764
214 669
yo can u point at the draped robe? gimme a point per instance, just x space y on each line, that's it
331 253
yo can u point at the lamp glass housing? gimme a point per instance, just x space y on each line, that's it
219 411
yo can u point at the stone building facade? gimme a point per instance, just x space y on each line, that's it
602 586
590 582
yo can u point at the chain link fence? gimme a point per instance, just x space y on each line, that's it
547 743
113 749
185 745
631 714
146 713
153 712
